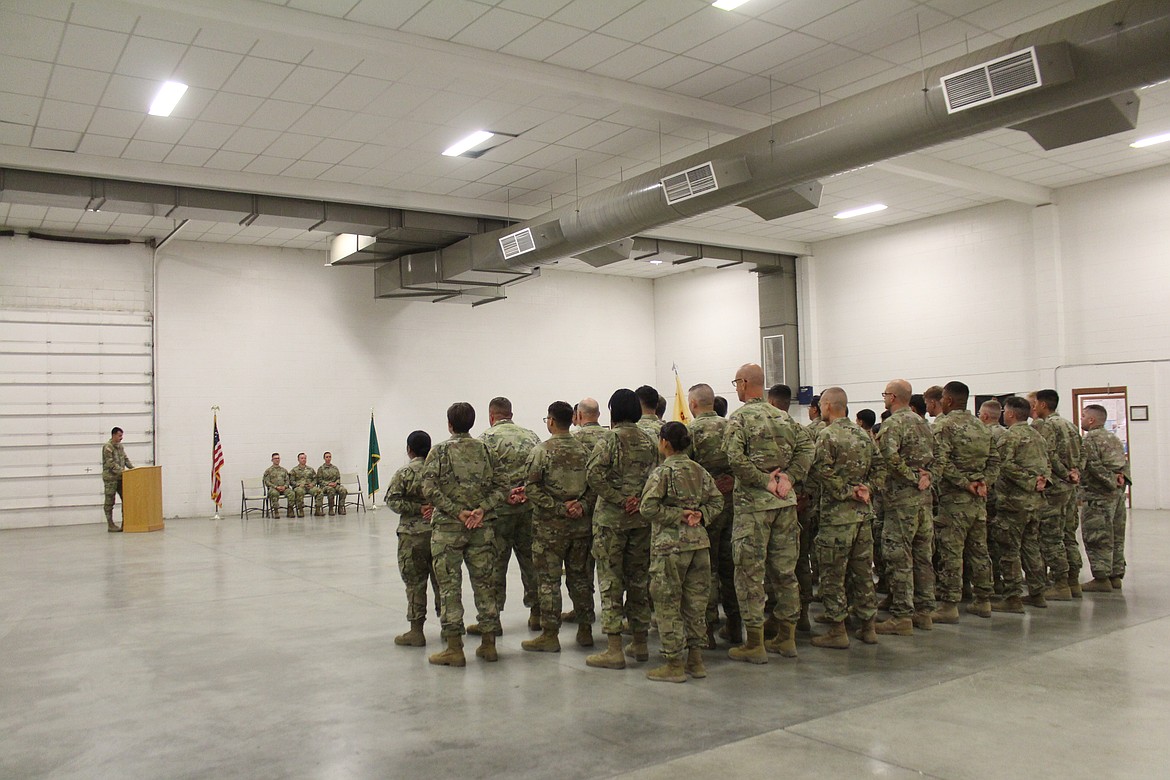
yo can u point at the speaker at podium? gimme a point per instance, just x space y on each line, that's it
142 499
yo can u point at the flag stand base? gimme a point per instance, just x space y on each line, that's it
215 517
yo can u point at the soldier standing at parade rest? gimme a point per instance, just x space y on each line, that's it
679 496
768 453
114 462
617 471
649 422
304 480
556 489
405 496
278 482
329 483
1058 520
585 417
463 483
989 414
1103 482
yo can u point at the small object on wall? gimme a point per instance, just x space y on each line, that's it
804 395
1139 413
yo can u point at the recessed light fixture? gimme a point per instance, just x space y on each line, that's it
858 212
655 262
167 98
1153 139
728 5
468 143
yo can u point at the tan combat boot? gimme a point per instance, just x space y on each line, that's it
922 620
300 511
1060 591
320 510
1098 585
452 656
672 671
548 642
585 634
1074 586
802 624
752 650
275 513
771 627
637 649
110 527
866 633
340 505
837 638
534 619
331 500
1013 604
487 648
785 642
569 617
694 666
980 607
947 612
898 626
1115 582
412 638
612 658
1036 600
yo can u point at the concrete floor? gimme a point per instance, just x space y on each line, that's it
224 649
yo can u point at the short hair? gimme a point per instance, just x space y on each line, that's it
918 404
957 392
781 394
116 430
660 407
1049 398
993 406
460 416
647 396
720 406
1019 407
676 435
419 442
624 406
932 393
1097 410
815 403
866 418
561 413
326 452
500 407
274 455
703 394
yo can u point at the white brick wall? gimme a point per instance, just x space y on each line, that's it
55 275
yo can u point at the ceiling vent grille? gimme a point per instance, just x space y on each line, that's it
690 183
517 244
774 373
999 78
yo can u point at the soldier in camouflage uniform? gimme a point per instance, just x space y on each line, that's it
706 433
114 462
679 496
769 453
405 496
304 480
511 445
808 509
649 422
329 483
1023 474
989 414
1058 521
465 485
965 463
847 471
556 489
588 432
617 471
907 447
279 484
1103 481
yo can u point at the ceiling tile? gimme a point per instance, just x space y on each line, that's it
693 30
201 67
129 93
353 93
230 109
60 115
77 85
24 76
305 169
272 166
115 122
194 101
338 59
672 72
258 76
629 63
149 151
319 121
591 14
19 109
250 140
46 9
361 128
150 59
292 145
206 135
229 161
543 41
795 14
649 17
87 47
101 145
15 135
383 14
188 155
346 173
442 19
281 48
29 37
332 151
495 29
230 39
589 51
307 85
276 115
398 100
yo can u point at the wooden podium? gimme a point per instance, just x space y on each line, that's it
142 499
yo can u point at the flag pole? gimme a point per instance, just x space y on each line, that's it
215 426
373 500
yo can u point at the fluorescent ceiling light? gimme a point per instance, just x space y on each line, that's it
167 98
858 212
655 262
1153 139
728 5
468 143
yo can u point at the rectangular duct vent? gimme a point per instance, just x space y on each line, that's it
774 360
690 183
517 244
1008 75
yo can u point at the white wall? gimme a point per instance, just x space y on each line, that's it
1009 298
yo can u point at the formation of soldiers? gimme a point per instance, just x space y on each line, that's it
758 515
323 484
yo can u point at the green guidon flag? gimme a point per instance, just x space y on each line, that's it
375 456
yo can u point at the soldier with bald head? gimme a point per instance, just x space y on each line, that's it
1103 482
589 431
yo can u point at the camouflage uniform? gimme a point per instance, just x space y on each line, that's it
1017 517
511 445
846 456
997 434
906 445
325 475
806 563
1103 524
618 467
651 425
405 496
588 434
1058 519
459 474
765 536
114 462
680 565
963 453
274 477
556 474
304 480
707 450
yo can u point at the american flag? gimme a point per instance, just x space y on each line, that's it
216 464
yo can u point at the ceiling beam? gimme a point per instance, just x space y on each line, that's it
926 168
